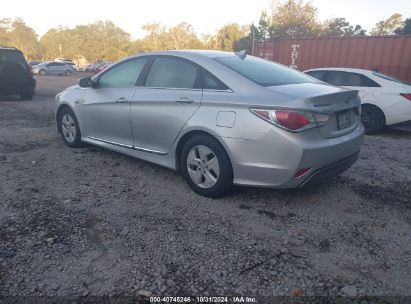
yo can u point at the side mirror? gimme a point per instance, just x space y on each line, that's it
86 82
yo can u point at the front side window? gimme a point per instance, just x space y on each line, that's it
264 72
123 75
172 73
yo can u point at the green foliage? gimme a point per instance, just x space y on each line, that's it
96 41
103 40
228 35
341 27
17 34
388 26
294 19
405 29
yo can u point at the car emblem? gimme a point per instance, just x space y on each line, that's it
348 100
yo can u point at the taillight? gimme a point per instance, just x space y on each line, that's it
291 120
294 121
29 68
406 95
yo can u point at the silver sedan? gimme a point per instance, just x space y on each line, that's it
220 118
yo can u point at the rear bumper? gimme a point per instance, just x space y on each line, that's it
273 160
330 170
18 86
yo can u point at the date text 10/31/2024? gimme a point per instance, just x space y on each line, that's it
200 299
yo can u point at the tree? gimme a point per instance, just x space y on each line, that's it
182 36
341 27
264 27
5 25
388 26
101 40
405 29
294 19
229 35
155 32
17 34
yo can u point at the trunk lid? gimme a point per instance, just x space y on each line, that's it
342 105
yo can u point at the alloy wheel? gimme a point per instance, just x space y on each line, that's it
68 127
203 166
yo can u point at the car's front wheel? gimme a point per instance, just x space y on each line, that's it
206 166
42 73
70 130
372 118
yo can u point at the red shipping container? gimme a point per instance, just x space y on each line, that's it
387 54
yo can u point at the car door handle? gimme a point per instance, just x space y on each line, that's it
122 100
184 100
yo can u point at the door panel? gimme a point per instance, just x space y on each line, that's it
105 114
106 109
158 116
161 108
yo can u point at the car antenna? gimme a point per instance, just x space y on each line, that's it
242 54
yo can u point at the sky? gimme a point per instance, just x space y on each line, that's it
205 16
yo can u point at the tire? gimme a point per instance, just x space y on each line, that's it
206 166
68 125
373 119
67 73
42 73
26 95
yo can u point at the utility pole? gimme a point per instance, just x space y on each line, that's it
253 41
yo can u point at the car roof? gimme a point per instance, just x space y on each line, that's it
9 48
354 70
202 53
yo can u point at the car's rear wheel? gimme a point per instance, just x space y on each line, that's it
206 166
67 73
70 130
42 73
372 118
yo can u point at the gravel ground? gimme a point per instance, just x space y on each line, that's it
90 222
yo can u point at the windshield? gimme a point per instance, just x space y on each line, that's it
390 78
263 72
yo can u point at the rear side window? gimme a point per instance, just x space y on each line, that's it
263 72
348 79
210 82
172 73
123 75
320 75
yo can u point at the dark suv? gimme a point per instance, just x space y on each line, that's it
16 75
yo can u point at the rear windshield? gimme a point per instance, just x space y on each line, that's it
12 56
390 78
263 72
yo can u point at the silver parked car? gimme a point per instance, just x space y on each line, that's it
221 118
53 68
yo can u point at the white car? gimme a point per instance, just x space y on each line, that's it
386 101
